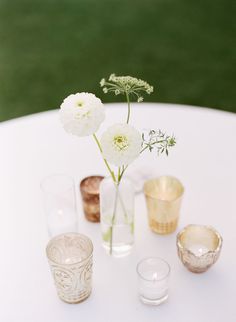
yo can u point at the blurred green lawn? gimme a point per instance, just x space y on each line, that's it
51 48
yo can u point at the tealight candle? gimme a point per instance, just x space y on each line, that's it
153 275
198 247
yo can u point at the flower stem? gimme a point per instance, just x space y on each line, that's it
128 101
113 218
122 172
120 175
106 163
151 144
144 149
123 208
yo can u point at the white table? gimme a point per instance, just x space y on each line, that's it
35 146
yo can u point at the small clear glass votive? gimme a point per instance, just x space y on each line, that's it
70 257
89 189
153 278
198 247
163 199
60 204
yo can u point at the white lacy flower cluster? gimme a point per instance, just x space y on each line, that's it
126 85
121 144
81 114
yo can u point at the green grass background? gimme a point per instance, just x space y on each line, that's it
51 48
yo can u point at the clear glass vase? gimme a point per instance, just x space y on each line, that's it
117 216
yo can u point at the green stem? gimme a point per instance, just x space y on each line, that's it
123 208
110 84
128 101
106 163
113 219
118 176
122 172
144 149
151 144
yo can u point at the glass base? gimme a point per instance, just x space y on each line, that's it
118 251
75 301
153 301
163 228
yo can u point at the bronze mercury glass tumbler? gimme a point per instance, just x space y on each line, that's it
70 257
163 199
89 189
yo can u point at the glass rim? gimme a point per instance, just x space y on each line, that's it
124 177
54 175
155 258
158 179
88 177
71 233
181 246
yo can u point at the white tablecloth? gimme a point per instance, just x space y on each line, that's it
204 160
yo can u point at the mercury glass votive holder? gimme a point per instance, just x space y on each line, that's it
163 199
70 257
89 188
153 277
198 247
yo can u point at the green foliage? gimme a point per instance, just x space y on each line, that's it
157 140
51 48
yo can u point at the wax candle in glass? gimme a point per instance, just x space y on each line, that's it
153 277
198 247
60 204
89 189
163 199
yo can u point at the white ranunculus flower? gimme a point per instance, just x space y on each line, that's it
121 144
82 113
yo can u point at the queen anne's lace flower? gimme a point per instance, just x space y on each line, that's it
81 114
126 85
121 144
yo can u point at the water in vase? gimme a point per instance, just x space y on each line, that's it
117 239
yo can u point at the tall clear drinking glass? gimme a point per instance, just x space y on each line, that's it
60 204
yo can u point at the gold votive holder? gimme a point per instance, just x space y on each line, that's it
163 199
198 247
70 257
89 188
